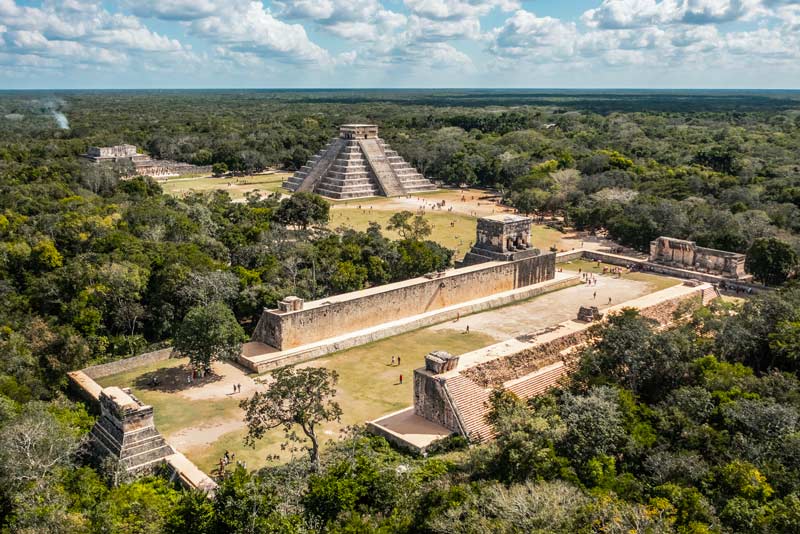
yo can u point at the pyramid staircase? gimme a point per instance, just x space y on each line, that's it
358 164
125 431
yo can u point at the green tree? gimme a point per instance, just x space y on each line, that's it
303 210
209 333
219 169
409 226
771 260
530 200
302 397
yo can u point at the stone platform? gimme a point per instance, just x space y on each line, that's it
273 359
453 392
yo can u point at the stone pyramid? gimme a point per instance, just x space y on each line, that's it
125 431
358 164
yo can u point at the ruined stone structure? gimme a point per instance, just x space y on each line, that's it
453 392
295 323
125 431
503 237
99 154
589 314
143 165
687 255
358 164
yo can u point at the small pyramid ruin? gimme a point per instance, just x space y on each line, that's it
125 431
358 164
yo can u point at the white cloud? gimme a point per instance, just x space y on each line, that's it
255 30
355 20
178 9
617 14
80 34
458 9
526 36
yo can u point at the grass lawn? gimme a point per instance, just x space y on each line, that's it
458 237
239 185
173 412
657 282
368 388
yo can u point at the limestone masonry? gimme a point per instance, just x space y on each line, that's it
503 237
453 391
125 431
295 323
143 165
358 164
687 255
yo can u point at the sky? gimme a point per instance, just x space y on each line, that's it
131 44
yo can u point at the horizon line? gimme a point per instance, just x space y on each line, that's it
671 89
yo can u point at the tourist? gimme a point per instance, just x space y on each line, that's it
401 379
398 361
234 388
609 300
467 329
392 361
595 295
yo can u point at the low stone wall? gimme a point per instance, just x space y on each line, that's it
357 338
126 364
496 372
362 309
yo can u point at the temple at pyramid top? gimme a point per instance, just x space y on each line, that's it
358 164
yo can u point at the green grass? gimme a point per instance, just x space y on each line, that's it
174 412
239 186
656 282
458 237
368 388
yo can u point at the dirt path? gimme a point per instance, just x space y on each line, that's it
222 388
200 436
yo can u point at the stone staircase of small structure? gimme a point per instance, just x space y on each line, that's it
539 382
411 180
381 168
348 176
310 174
136 450
471 405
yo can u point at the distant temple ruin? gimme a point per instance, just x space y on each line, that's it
687 255
503 237
143 165
358 164
126 432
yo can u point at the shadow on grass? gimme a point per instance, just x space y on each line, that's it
172 379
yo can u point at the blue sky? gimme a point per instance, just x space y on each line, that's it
54 44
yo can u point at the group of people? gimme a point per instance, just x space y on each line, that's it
226 460
237 388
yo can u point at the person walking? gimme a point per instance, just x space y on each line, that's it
401 379
392 361
595 295
398 361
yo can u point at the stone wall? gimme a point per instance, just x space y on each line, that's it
687 254
290 357
126 364
371 307
431 401
496 372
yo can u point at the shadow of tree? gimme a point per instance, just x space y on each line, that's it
173 379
